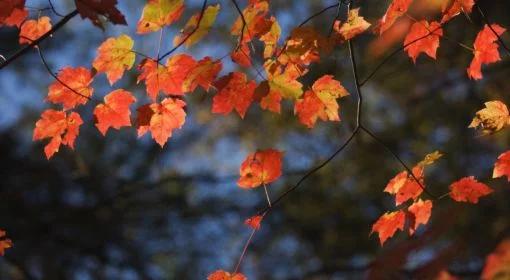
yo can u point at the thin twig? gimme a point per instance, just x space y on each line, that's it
200 16
486 20
36 42
395 155
245 248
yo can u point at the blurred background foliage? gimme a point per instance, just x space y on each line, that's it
119 207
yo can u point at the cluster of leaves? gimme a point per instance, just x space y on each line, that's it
284 65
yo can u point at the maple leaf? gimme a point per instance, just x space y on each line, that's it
502 166
241 56
115 110
492 118
404 186
114 56
79 80
468 189
192 32
92 9
455 8
158 14
13 13
168 79
396 9
388 224
260 168
256 22
223 275
304 46
203 74
254 222
32 29
60 127
5 243
271 37
234 92
485 50
497 264
161 119
428 44
419 213
430 158
9 6
269 100
320 101
354 26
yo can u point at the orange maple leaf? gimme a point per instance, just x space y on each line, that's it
320 101
5 243
485 50
234 92
161 119
498 262
254 222
388 224
404 186
260 168
114 56
72 87
203 74
468 189
419 214
32 29
354 26
256 22
502 166
13 13
427 45
455 8
169 78
396 9
115 111
60 127
241 56
223 275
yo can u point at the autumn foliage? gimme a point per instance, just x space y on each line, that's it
280 80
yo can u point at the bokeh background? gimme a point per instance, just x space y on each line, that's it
119 207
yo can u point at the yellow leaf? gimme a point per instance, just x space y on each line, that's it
193 33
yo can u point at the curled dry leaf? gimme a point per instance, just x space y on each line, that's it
492 118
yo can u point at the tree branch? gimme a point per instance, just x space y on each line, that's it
36 42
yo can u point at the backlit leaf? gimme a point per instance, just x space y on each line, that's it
455 8
354 26
428 44
388 224
79 80
60 127
396 9
254 222
192 32
492 118
203 74
32 29
115 111
223 275
420 212
468 189
502 166
485 50
260 168
161 119
234 92
114 56
158 14
92 9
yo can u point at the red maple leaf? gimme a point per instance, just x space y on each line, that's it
92 9
115 110
468 189
388 224
428 44
72 87
60 127
12 12
396 9
32 29
254 222
455 8
404 186
234 92
502 166
161 119
419 214
223 275
260 168
485 50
